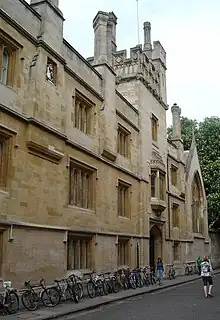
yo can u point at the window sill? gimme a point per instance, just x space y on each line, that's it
89 211
124 217
3 192
7 86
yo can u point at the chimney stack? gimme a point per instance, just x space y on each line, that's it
147 39
104 25
176 112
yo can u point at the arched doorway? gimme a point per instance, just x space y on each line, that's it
155 249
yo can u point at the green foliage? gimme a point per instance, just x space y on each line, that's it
207 135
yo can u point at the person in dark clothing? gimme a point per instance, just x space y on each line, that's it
160 270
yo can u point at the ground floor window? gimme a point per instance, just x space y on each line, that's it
123 251
79 252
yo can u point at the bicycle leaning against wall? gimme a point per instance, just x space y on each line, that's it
9 301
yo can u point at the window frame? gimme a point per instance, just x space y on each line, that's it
154 128
79 257
80 195
82 106
123 147
175 215
126 255
174 179
154 185
124 201
11 49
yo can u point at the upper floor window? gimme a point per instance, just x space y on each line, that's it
51 71
153 183
83 108
154 126
81 186
123 141
162 188
174 175
123 199
175 215
7 63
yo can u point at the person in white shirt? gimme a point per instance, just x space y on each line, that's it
207 276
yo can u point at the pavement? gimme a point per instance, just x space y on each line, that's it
68 310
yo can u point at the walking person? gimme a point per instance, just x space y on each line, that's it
199 261
207 276
160 270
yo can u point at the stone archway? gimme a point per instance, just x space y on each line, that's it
155 245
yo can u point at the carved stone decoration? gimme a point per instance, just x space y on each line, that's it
50 72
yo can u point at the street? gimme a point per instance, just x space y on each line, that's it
183 302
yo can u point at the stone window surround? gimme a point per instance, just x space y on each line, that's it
91 194
123 251
174 175
123 146
158 194
124 199
175 215
11 47
79 251
83 106
154 128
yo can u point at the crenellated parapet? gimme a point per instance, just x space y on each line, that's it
138 66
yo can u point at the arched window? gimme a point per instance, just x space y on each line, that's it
4 66
197 205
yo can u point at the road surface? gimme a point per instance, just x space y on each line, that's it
182 302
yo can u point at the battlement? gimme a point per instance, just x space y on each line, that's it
137 65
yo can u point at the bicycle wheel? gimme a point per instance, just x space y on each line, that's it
91 289
115 286
50 297
12 302
80 290
105 287
100 287
73 292
30 300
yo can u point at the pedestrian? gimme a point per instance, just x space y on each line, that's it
199 261
207 276
160 270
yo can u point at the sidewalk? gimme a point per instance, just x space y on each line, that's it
68 308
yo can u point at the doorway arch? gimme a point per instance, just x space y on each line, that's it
155 249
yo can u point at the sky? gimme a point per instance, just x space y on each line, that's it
189 31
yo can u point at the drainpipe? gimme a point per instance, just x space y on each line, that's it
168 202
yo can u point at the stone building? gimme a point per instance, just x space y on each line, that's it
88 179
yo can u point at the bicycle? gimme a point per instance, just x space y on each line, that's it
172 272
9 300
189 269
65 289
94 286
48 296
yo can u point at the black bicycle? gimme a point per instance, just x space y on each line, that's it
48 296
172 272
9 301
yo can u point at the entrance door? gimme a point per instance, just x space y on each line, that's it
155 246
